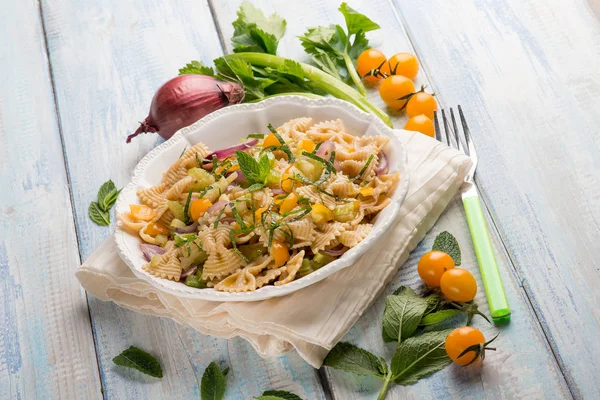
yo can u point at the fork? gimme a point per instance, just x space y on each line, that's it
488 266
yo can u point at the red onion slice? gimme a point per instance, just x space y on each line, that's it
190 271
188 229
383 166
335 253
224 153
240 178
277 192
218 206
337 165
151 250
325 149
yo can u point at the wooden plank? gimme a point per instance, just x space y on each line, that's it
46 344
527 74
524 365
108 58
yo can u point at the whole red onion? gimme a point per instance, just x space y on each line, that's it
184 100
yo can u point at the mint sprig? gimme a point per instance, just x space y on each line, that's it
448 244
255 171
138 359
98 211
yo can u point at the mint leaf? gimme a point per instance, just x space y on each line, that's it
255 187
98 215
403 313
350 358
355 21
213 383
419 356
254 32
196 67
447 243
107 195
438 316
433 301
140 360
264 167
278 395
250 167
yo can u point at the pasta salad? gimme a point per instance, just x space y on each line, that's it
271 210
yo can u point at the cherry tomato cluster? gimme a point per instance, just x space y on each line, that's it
397 88
466 344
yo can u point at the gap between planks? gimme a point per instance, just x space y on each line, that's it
595 5
69 186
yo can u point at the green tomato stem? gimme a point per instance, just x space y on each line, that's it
354 75
318 79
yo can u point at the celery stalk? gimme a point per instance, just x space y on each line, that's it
318 79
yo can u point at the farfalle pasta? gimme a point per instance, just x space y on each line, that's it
267 212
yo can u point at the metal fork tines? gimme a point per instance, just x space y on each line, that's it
452 137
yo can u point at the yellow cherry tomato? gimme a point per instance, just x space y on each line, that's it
280 252
199 207
421 103
432 266
306 145
395 87
289 203
420 123
404 64
270 140
140 212
370 60
156 228
458 284
461 339
320 214
288 184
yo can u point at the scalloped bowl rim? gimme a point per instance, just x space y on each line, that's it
132 256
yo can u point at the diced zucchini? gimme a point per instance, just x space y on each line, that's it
321 259
196 256
194 281
273 179
310 168
253 251
344 212
202 177
177 210
177 223
306 268
161 240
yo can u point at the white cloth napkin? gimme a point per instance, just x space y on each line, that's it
311 320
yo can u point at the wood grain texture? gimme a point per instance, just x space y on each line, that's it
524 366
527 74
46 343
108 58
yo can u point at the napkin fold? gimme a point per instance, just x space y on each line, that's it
311 320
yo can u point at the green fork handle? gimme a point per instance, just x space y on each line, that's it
492 281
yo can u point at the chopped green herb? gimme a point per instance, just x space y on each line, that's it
364 168
256 136
186 208
184 238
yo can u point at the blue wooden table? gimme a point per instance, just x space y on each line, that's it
76 76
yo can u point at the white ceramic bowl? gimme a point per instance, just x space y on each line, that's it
224 128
